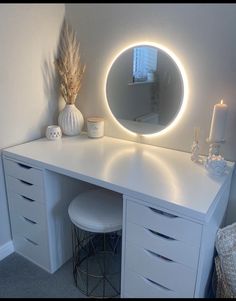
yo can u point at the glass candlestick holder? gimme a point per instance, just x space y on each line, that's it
195 146
215 163
195 151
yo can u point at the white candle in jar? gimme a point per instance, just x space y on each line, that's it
95 127
218 122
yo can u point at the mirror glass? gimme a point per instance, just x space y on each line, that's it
144 89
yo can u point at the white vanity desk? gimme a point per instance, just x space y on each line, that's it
171 208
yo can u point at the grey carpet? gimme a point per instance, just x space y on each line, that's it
19 278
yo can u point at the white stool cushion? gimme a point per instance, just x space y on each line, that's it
97 210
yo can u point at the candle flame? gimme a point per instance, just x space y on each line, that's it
221 102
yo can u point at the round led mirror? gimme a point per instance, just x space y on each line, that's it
145 89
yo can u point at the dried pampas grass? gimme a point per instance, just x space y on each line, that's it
69 65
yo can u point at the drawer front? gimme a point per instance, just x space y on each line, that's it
137 286
24 188
23 171
28 228
27 208
32 251
173 249
169 274
164 223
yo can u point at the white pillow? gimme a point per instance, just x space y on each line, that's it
226 248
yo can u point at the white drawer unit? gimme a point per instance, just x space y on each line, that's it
28 212
40 225
163 249
166 255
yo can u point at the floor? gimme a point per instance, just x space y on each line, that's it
19 278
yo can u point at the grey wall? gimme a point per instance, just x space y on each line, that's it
29 102
202 36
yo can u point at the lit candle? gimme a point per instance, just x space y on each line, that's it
218 122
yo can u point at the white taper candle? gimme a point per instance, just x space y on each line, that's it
218 122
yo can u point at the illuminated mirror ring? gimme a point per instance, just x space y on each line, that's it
146 89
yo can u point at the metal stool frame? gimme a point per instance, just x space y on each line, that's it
89 245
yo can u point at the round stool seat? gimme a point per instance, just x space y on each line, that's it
97 210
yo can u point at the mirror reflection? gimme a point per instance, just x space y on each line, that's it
144 89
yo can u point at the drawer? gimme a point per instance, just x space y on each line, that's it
23 171
167 273
28 208
164 223
34 252
171 248
26 227
25 189
137 286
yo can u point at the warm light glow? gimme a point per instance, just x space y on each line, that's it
166 172
185 87
221 102
117 157
126 157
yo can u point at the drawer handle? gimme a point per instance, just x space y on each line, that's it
28 199
31 241
24 166
29 220
27 183
159 256
149 281
162 213
160 234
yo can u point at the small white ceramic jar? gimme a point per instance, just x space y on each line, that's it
95 127
53 132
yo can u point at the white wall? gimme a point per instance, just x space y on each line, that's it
203 38
29 101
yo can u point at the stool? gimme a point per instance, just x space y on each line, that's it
96 217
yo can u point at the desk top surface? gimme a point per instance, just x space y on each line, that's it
149 173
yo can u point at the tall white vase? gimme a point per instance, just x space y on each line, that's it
70 120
